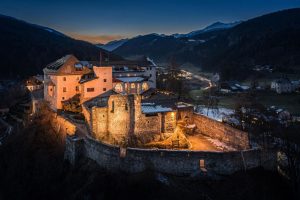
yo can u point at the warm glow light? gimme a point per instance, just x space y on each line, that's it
173 115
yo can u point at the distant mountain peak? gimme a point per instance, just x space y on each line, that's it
215 26
112 45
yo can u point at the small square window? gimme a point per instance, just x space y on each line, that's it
104 89
90 89
64 78
64 89
63 98
104 80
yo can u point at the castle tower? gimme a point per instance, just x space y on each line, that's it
119 118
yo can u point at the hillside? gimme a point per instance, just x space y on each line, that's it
32 167
271 39
112 45
26 48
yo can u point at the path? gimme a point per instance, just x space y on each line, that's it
200 143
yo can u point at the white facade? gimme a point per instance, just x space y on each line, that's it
283 86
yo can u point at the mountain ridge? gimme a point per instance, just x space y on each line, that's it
270 39
27 48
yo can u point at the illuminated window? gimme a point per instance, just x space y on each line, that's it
202 165
145 86
64 79
132 85
119 87
90 89
64 89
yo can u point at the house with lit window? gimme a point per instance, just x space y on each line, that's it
34 83
68 77
283 85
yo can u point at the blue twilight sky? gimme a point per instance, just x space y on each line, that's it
105 20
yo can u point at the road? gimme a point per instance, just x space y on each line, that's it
201 78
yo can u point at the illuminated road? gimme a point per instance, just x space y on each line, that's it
200 78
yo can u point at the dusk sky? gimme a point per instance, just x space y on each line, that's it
105 20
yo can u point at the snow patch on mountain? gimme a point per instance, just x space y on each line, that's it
212 27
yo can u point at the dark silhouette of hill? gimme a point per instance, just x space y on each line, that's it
271 39
27 48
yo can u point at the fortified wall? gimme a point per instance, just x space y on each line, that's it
176 162
222 132
62 125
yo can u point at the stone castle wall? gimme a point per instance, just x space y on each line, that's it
87 115
62 125
123 118
223 132
99 122
176 162
119 117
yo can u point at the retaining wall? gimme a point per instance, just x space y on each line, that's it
220 131
62 125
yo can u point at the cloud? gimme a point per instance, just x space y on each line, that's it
96 39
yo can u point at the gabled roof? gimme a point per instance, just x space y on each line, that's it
66 65
283 81
58 63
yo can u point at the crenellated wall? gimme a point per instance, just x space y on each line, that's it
220 131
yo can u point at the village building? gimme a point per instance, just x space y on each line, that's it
68 77
285 85
35 83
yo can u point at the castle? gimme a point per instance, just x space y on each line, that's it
126 117
119 118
